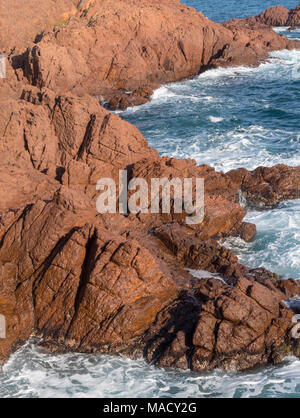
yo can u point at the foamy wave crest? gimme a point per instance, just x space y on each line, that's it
226 72
241 147
215 119
276 58
288 56
32 372
277 243
162 93
281 29
177 92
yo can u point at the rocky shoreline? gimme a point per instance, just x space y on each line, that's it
91 283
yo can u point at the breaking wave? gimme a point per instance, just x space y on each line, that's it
227 118
33 372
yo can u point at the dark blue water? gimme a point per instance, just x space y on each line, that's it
222 10
237 117
227 118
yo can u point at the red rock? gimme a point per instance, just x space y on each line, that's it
228 328
108 283
294 17
87 55
22 23
135 98
268 186
274 16
280 16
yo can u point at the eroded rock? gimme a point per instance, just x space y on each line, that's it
121 284
115 49
280 16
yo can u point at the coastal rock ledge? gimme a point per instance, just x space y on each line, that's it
144 284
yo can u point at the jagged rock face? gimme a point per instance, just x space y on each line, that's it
109 283
88 286
268 186
104 283
116 47
217 326
223 214
294 17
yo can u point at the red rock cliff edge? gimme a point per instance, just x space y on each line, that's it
107 283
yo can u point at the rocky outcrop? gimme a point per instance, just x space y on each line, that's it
108 283
280 16
267 186
114 49
252 40
294 17
219 326
141 284
274 16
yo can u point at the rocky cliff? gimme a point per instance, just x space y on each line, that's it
280 16
119 51
108 283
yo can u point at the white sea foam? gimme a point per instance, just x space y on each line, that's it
162 93
277 243
32 372
280 29
240 147
215 119
204 274
226 72
176 92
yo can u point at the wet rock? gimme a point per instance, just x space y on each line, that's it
129 99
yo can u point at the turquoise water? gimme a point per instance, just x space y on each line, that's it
227 118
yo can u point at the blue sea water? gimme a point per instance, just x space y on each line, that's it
222 10
228 118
